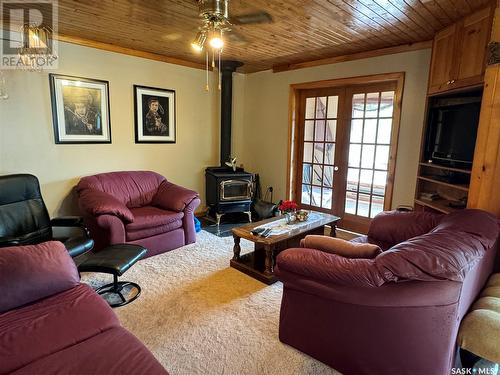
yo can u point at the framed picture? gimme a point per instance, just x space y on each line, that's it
154 115
80 109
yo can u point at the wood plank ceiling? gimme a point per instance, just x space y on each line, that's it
302 30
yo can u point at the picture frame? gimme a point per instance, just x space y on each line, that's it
155 116
80 109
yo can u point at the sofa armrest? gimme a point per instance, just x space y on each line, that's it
29 273
96 203
173 197
326 267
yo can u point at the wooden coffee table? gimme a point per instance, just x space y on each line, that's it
260 263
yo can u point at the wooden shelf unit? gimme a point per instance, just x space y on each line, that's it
458 67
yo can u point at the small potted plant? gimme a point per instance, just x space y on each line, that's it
288 208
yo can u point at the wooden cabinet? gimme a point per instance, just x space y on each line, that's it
443 51
459 53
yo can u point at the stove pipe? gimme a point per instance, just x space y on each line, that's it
226 108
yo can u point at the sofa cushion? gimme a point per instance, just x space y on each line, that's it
113 352
29 273
341 247
392 227
150 221
133 188
40 329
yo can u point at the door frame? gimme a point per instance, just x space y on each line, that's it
294 118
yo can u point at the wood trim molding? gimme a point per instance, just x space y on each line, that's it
355 56
351 81
128 51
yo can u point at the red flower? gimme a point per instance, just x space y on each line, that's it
288 206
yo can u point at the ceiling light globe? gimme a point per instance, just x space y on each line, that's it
216 43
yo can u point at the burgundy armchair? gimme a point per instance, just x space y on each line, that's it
141 208
399 312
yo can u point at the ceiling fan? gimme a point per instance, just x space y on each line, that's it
216 21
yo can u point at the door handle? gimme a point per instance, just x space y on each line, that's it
335 168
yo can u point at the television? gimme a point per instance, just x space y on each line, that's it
452 130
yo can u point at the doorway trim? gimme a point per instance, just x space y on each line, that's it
293 117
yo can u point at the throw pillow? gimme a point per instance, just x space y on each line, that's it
342 247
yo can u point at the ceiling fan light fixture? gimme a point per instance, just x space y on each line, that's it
199 41
216 40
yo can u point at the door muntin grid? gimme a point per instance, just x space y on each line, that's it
369 148
320 128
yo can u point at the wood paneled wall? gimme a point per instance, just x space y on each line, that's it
485 182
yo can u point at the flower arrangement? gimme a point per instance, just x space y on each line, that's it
288 206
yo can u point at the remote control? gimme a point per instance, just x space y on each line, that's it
266 233
257 231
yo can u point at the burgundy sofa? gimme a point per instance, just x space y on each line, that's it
52 324
398 313
141 208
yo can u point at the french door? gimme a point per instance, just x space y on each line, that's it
346 150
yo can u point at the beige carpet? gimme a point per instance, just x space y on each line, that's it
198 316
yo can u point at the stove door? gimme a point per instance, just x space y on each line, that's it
235 190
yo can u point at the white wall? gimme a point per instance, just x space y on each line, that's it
27 139
263 145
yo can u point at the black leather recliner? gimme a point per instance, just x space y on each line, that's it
24 219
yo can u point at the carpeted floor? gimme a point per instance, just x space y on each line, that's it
199 316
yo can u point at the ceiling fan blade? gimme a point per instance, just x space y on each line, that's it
234 37
251 18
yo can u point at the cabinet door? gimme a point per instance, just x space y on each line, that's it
443 61
474 37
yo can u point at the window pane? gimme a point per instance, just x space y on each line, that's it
306 194
308 152
316 196
317 174
321 107
377 205
328 176
382 157
318 153
358 105
333 103
306 173
370 131
384 131
350 203
331 130
365 181
330 153
379 182
310 105
319 132
356 131
371 109
363 205
309 131
352 179
367 156
327 198
386 104
354 155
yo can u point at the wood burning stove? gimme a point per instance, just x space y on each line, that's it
228 191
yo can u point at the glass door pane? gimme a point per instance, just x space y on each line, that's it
318 156
368 160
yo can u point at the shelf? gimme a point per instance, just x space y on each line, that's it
454 186
440 205
437 166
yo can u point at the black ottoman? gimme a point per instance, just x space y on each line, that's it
115 260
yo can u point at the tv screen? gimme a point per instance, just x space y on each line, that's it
453 131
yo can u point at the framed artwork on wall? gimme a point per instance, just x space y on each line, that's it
154 115
80 109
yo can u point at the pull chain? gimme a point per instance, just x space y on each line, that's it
220 71
207 87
